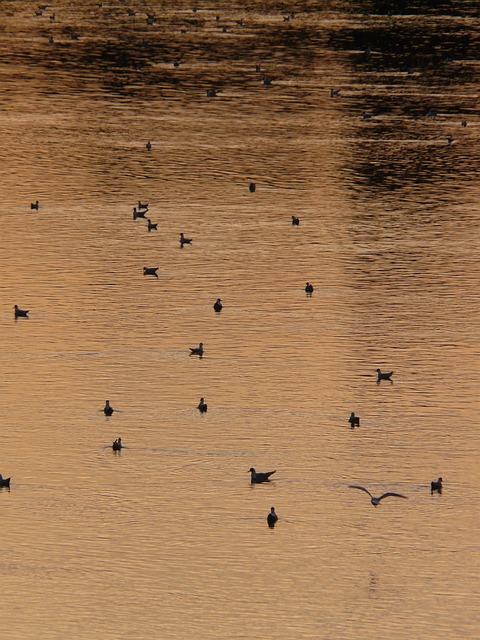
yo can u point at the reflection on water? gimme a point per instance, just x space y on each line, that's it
360 135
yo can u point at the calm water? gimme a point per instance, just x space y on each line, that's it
168 539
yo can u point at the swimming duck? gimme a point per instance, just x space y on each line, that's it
197 351
436 486
184 240
4 482
151 225
142 206
354 420
252 186
150 271
258 478
295 221
267 82
334 93
35 206
202 406
211 93
272 518
383 376
117 444
148 146
138 214
309 289
376 501
20 313
107 409
218 306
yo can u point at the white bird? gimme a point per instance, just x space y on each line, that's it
258 478
272 518
376 501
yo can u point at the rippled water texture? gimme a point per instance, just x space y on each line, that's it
361 119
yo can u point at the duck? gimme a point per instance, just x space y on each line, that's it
354 420
20 313
272 518
197 351
142 206
4 482
117 444
184 240
35 206
309 289
383 376
252 186
212 93
295 221
436 486
334 93
107 409
258 478
202 406
151 225
267 82
376 501
218 306
150 271
138 214
148 146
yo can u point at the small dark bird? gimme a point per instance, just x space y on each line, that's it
258 478
150 271
218 306
267 82
252 186
197 351
464 123
376 501
20 313
148 146
142 206
272 518
117 444
35 206
334 93
309 289
436 486
295 221
383 376
212 93
354 420
107 409
184 240
151 225
138 214
202 406
4 482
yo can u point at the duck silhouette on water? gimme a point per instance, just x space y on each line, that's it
35 206
436 486
4 482
202 406
107 409
258 477
218 306
384 376
184 240
272 518
354 420
197 351
117 444
376 501
150 271
295 221
309 288
138 214
151 225
20 313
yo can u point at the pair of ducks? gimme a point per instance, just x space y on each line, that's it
117 444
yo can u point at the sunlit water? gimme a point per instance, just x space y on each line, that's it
168 539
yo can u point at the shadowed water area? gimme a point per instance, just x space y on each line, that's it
359 118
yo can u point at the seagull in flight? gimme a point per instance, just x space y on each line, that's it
376 501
